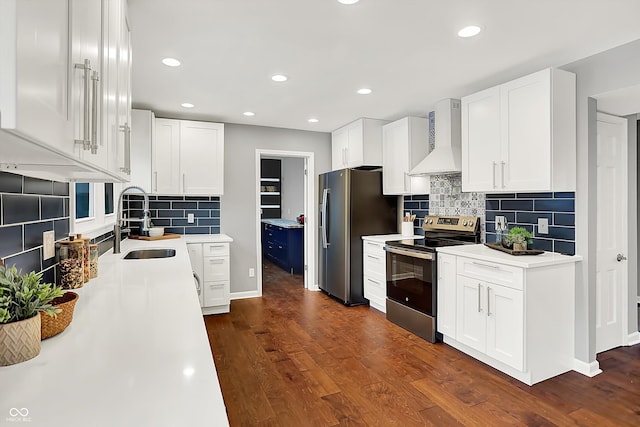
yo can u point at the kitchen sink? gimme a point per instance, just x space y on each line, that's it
150 253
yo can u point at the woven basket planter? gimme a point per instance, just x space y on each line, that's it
19 341
54 325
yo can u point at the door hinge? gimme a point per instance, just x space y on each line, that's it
305 171
306 267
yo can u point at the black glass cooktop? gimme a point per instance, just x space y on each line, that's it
429 244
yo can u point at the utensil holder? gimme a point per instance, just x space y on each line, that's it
407 229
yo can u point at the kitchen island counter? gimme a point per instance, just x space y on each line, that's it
136 352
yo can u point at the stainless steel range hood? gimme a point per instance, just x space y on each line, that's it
446 157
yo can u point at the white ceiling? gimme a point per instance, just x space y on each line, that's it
407 51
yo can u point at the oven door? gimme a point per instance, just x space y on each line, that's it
411 279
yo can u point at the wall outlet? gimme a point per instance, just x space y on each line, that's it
252 272
501 222
48 245
543 225
190 218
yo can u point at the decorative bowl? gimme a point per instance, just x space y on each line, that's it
156 231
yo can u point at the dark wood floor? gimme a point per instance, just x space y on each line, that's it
299 358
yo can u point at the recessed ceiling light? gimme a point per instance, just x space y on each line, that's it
470 31
348 1
279 78
313 120
249 113
171 62
187 105
364 91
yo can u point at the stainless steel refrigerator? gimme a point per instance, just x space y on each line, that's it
351 206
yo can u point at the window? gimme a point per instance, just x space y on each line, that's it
108 198
94 207
84 200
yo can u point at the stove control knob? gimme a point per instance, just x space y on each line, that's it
470 223
464 223
430 221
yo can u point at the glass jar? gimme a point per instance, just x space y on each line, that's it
93 260
85 264
71 263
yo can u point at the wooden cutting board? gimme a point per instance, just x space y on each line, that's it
166 236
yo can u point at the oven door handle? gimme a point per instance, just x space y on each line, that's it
410 253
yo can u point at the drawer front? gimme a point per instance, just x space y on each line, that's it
216 268
215 249
372 247
374 286
512 277
216 293
374 264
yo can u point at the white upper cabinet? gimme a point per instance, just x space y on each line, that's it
520 136
357 144
405 143
55 87
34 72
188 157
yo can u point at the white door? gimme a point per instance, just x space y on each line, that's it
355 145
611 266
201 157
339 144
471 315
525 106
395 158
481 141
505 325
165 149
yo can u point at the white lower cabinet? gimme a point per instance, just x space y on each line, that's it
374 274
519 320
214 279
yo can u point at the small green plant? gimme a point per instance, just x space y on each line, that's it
519 236
24 295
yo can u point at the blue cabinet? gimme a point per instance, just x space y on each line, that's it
284 246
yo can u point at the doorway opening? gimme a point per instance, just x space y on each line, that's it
285 218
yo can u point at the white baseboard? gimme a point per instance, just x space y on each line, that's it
589 369
633 338
245 294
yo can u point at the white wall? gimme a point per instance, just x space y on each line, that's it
292 190
614 69
237 213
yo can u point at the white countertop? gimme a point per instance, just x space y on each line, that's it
207 238
481 252
382 238
135 354
283 223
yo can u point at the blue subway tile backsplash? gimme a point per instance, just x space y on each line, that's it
29 207
172 212
524 209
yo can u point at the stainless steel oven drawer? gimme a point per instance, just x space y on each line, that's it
412 320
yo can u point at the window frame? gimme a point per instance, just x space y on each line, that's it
100 222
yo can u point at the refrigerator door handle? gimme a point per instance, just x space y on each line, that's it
323 217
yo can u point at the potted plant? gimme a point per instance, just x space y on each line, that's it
22 298
519 237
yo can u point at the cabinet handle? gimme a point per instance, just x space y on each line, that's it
95 78
502 173
155 180
127 148
86 113
373 257
216 261
216 246
493 176
374 281
479 303
488 301
495 267
198 286
184 182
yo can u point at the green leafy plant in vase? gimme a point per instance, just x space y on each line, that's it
518 237
22 298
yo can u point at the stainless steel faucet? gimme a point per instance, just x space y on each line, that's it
120 222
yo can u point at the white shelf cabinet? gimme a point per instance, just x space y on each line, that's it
210 263
521 135
188 157
357 144
405 143
517 320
